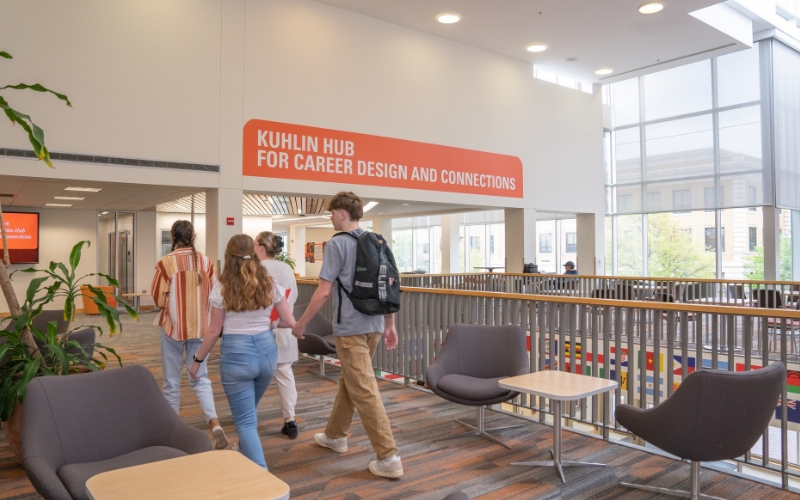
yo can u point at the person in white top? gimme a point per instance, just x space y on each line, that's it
268 245
242 303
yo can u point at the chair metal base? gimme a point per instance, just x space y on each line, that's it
479 431
694 494
322 369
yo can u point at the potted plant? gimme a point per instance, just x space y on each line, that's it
284 257
55 354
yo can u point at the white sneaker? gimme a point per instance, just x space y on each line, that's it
390 467
337 445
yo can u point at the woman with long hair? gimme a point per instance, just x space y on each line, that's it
268 246
181 287
242 303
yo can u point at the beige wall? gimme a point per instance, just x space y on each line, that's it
59 230
316 235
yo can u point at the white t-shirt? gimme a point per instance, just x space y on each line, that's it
248 322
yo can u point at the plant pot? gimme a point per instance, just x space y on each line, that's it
13 431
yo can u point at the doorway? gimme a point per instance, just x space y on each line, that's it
117 254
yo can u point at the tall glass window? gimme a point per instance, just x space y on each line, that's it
685 177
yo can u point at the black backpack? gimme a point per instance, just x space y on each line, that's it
376 282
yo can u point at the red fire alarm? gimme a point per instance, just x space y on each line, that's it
230 221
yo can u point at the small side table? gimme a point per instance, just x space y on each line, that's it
558 387
218 475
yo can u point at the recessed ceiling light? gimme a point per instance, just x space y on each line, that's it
88 190
57 205
103 213
604 71
651 7
448 18
68 198
369 206
536 47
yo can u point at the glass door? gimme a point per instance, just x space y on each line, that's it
117 250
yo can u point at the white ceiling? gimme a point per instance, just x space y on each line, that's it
599 33
35 193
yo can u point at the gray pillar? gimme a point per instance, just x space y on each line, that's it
520 238
772 244
591 244
297 248
451 255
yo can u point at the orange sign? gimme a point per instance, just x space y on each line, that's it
22 231
285 151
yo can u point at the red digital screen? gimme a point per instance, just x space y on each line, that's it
22 232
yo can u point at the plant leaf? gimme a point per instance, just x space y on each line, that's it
5 54
36 87
31 369
75 255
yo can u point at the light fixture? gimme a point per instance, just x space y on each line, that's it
448 18
651 7
604 71
87 190
536 47
405 204
103 213
369 206
57 205
68 198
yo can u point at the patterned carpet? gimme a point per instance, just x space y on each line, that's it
477 467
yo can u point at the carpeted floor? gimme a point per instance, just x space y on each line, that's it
477 467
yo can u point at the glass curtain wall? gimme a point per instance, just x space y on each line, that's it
417 244
683 170
557 243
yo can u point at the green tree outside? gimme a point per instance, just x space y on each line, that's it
754 264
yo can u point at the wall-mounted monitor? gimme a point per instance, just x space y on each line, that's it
22 232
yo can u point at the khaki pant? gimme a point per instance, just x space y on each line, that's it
358 390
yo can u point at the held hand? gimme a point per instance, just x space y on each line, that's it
193 370
390 338
299 330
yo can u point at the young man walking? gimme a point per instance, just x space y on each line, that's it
356 336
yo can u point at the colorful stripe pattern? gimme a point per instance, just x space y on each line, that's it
190 288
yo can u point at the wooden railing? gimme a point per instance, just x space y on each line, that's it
648 347
728 292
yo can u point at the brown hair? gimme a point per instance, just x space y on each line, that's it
182 233
269 241
246 285
349 202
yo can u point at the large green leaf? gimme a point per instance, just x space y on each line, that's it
26 123
33 287
5 54
30 371
36 87
75 255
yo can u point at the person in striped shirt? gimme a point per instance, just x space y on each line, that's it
181 287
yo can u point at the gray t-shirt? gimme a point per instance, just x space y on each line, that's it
339 261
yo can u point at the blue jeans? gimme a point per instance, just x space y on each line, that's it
246 367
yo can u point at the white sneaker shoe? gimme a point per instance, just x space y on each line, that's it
337 445
390 467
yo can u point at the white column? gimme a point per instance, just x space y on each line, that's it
772 244
297 248
223 220
520 238
383 226
795 245
591 244
451 255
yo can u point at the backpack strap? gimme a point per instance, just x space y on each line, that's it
339 285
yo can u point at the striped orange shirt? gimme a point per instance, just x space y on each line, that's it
182 292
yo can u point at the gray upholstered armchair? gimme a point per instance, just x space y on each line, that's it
318 337
77 426
714 415
469 365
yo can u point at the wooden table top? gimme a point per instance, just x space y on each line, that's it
145 294
222 474
564 386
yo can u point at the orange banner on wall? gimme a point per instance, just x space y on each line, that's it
22 231
285 151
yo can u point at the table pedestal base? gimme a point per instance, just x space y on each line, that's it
555 452
558 465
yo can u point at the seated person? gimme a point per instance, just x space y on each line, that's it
569 268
